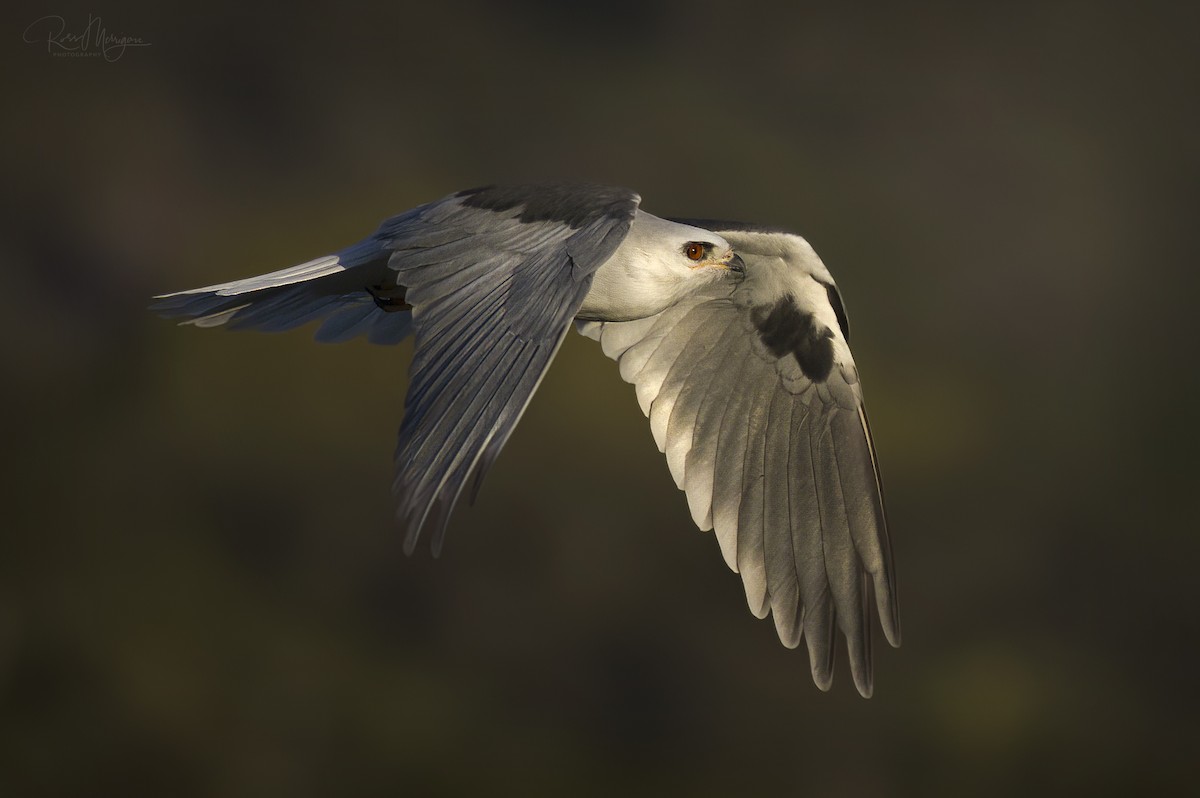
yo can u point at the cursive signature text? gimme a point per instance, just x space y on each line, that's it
93 40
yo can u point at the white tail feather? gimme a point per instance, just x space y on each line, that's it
295 274
214 319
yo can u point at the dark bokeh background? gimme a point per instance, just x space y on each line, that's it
201 587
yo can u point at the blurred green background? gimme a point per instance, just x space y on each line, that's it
201 586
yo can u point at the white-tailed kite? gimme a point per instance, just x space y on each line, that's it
734 336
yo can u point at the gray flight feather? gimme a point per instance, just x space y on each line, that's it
494 279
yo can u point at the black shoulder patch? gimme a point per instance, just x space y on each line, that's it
573 204
839 310
785 330
722 226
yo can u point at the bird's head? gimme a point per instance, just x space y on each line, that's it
657 264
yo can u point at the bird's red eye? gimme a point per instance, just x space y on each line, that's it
694 251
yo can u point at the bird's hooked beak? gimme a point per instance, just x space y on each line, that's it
735 263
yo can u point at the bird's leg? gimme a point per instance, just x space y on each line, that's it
389 299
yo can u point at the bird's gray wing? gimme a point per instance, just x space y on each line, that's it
494 277
758 408
487 280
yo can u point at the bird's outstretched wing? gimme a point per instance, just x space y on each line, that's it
487 280
494 277
755 400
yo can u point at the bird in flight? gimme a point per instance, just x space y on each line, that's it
734 336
